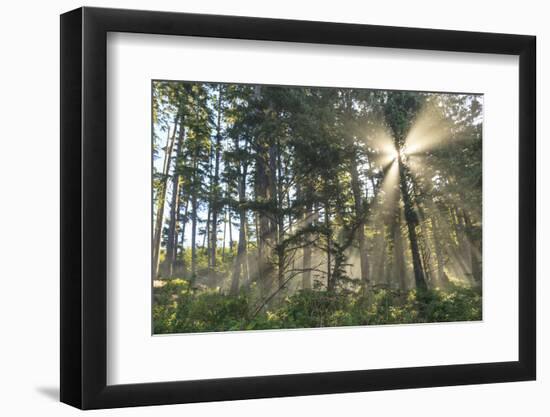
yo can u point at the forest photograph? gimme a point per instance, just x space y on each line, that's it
291 207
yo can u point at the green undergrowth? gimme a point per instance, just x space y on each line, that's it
177 308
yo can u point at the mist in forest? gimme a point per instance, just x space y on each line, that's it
298 207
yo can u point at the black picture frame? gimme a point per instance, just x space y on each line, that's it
84 207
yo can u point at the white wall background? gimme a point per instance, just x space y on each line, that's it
29 219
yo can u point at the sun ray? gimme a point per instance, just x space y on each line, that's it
380 141
459 262
425 172
387 194
383 204
430 130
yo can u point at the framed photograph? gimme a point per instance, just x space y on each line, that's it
257 208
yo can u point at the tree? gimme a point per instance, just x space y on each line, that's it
171 245
401 109
215 197
164 95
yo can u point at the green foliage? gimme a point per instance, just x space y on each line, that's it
179 308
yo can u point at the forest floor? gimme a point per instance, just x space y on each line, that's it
180 308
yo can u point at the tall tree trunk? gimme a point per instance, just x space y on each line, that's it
171 243
458 250
241 253
175 267
306 260
428 263
280 220
261 187
194 207
442 279
289 205
398 250
328 236
425 247
356 190
264 273
273 235
246 262
215 202
379 265
230 232
184 219
161 197
224 236
229 225
474 258
206 236
464 243
360 219
239 262
411 219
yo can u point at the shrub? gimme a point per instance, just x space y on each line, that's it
178 308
